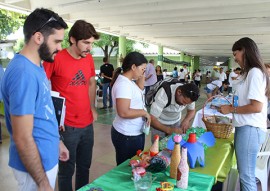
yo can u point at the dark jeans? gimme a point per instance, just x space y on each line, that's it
147 88
104 94
79 142
126 146
198 83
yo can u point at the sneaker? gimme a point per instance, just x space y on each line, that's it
110 106
104 107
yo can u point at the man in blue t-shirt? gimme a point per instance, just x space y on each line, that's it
1 101
29 112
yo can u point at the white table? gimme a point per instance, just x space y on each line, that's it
197 122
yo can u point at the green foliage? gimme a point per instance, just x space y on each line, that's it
109 44
9 22
19 45
65 42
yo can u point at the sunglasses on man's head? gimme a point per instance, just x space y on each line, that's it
51 19
194 94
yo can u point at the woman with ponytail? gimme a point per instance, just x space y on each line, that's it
131 115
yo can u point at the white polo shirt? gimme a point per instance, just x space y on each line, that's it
253 87
171 114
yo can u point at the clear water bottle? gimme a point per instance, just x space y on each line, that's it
235 101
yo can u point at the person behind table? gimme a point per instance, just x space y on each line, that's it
150 75
73 75
232 79
126 132
250 116
106 71
215 73
213 88
159 73
167 120
222 77
29 111
185 69
175 73
182 76
197 78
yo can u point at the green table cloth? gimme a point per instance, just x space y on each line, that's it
218 162
119 179
218 159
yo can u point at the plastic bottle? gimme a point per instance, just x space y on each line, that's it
183 171
235 101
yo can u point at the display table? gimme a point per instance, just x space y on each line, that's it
218 161
197 122
119 179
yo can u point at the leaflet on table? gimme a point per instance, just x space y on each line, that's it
59 107
218 101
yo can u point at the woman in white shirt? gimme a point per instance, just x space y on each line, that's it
131 115
250 115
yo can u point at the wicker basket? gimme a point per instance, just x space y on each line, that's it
223 131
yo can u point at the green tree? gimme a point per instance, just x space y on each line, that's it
19 45
10 22
65 42
109 44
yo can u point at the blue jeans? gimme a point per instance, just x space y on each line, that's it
104 94
247 141
79 142
126 146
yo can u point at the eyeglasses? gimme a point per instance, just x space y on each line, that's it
48 21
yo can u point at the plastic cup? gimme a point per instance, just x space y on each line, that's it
144 183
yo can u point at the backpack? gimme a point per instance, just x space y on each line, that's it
166 84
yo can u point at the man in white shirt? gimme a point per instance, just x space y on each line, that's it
232 77
222 77
167 120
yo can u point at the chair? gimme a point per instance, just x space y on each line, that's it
262 164
261 171
98 96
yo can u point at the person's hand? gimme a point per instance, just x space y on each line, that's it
45 185
63 152
225 109
147 118
178 130
62 128
184 125
95 115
